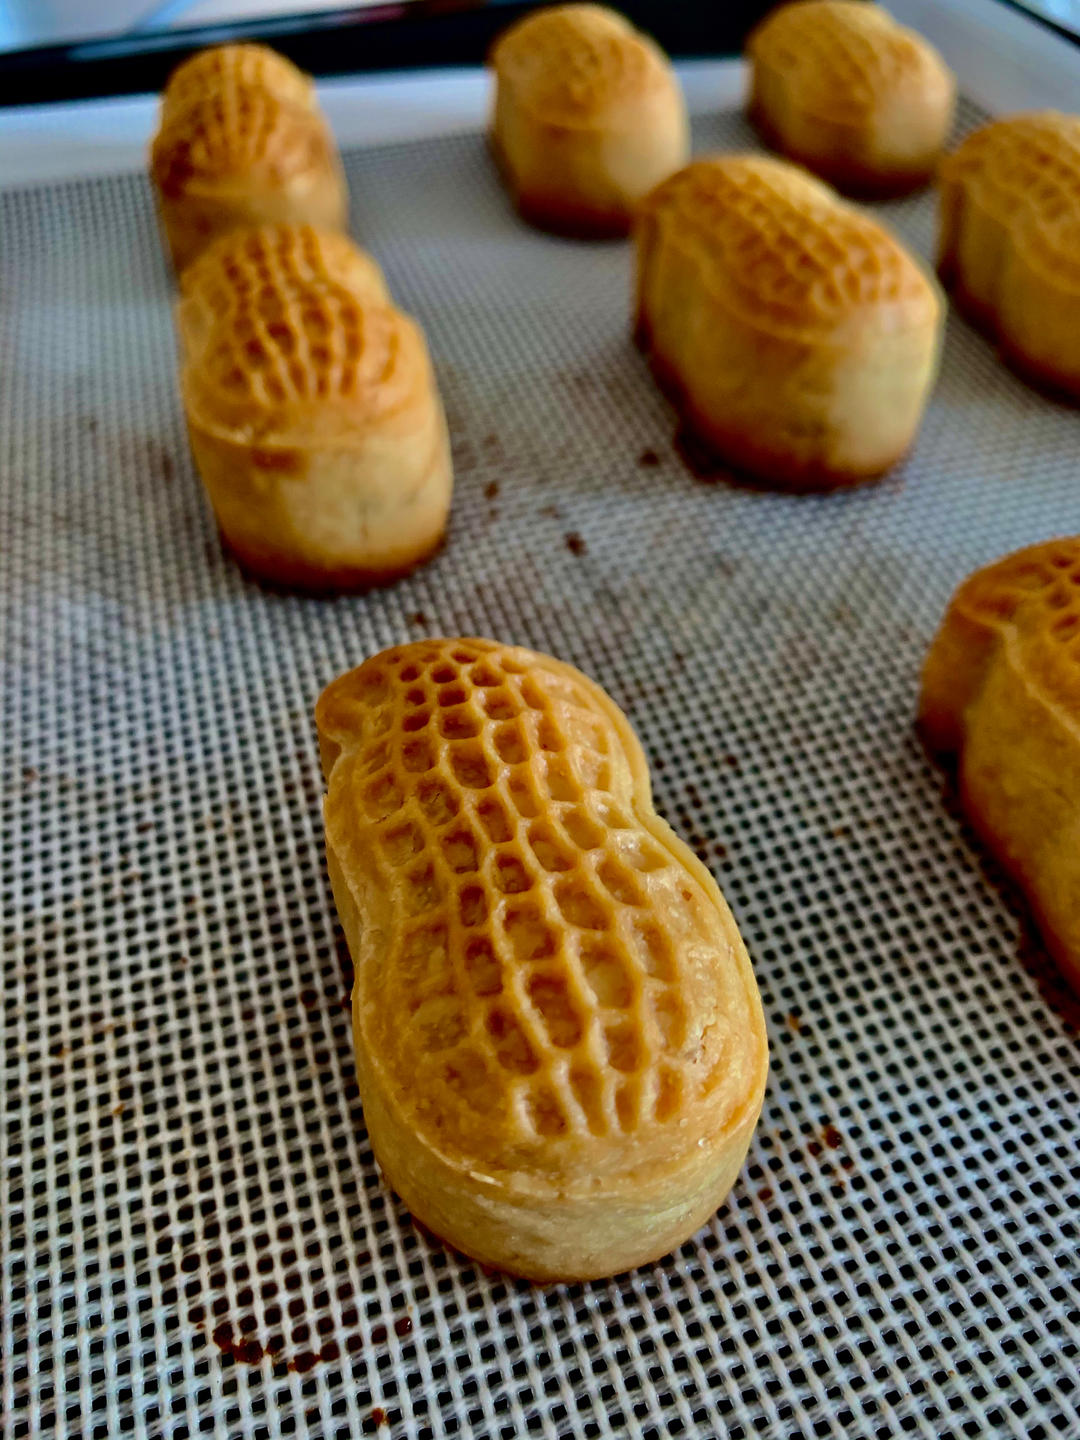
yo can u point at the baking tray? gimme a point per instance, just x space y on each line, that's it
195 1237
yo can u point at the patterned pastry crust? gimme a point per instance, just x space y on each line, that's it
1001 691
559 1040
1009 244
243 265
839 86
798 335
236 67
312 410
588 117
236 154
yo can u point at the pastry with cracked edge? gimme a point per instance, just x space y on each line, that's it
559 1041
1001 693
240 154
588 117
1009 240
797 336
314 415
843 89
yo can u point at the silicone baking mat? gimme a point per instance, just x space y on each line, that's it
195 1236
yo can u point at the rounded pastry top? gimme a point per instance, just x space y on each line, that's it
1034 596
270 258
558 988
235 137
579 65
1024 171
1019 161
231 67
295 365
844 59
783 251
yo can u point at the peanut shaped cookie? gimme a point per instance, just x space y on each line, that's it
588 117
799 338
1001 692
1009 243
242 143
313 411
842 88
559 1041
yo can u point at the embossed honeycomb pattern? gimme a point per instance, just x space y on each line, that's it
271 299
1051 235
527 945
841 57
233 68
317 342
783 242
237 130
1026 170
1040 594
259 265
1021 163
576 63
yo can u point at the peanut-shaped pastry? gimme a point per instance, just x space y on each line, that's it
797 335
1009 245
588 118
559 1041
230 152
313 412
1001 691
839 86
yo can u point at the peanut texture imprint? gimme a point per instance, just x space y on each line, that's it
560 1044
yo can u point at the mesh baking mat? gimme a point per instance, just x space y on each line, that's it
195 1235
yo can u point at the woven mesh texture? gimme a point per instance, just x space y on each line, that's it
195 1237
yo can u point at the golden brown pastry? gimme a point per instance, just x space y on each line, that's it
313 413
1009 246
560 1045
238 154
274 257
248 67
799 338
1001 691
839 86
588 118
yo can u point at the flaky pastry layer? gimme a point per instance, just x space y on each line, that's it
560 1044
1001 692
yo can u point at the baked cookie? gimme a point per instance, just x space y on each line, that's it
588 118
839 86
1001 691
1009 244
238 154
799 338
313 413
559 1042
